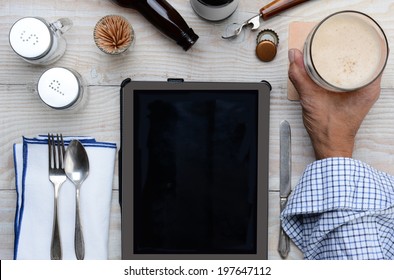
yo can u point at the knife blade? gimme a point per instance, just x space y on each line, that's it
285 182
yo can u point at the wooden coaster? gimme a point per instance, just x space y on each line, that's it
298 32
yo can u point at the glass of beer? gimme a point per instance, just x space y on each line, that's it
346 51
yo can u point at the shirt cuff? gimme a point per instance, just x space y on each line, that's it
341 183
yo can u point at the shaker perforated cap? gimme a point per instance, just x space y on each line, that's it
30 38
59 88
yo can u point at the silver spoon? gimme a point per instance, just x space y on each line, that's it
77 169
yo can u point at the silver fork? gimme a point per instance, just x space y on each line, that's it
57 176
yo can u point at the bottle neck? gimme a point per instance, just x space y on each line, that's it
188 39
161 14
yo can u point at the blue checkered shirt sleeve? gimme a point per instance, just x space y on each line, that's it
342 209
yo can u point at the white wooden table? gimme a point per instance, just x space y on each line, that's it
154 57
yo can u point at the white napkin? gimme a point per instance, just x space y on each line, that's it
35 195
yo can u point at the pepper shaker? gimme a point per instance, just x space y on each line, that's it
60 88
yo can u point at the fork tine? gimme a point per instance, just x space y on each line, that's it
58 158
54 157
49 152
61 151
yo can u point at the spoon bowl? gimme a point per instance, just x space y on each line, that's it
76 166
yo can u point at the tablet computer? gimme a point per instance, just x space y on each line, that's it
194 170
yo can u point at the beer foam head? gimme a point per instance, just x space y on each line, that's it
349 50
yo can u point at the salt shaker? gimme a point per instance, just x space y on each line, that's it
60 88
37 41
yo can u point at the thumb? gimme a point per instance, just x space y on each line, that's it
297 72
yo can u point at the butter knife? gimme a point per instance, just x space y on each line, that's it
285 182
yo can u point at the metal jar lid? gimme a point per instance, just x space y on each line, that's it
59 88
267 43
30 38
214 10
215 2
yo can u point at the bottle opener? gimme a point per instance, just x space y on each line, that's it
266 12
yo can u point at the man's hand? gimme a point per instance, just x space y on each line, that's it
331 119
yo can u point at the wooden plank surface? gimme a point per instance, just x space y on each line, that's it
154 57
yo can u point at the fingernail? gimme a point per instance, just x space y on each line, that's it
291 55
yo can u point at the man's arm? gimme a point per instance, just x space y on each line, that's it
341 208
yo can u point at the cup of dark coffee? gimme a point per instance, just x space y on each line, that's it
214 10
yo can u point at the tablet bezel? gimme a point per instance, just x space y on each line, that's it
126 159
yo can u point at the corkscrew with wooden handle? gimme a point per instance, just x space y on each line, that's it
266 12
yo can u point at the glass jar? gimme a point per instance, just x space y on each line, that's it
114 35
346 51
60 88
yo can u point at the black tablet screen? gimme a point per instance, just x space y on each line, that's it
195 171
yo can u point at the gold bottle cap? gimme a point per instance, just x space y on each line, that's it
267 43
